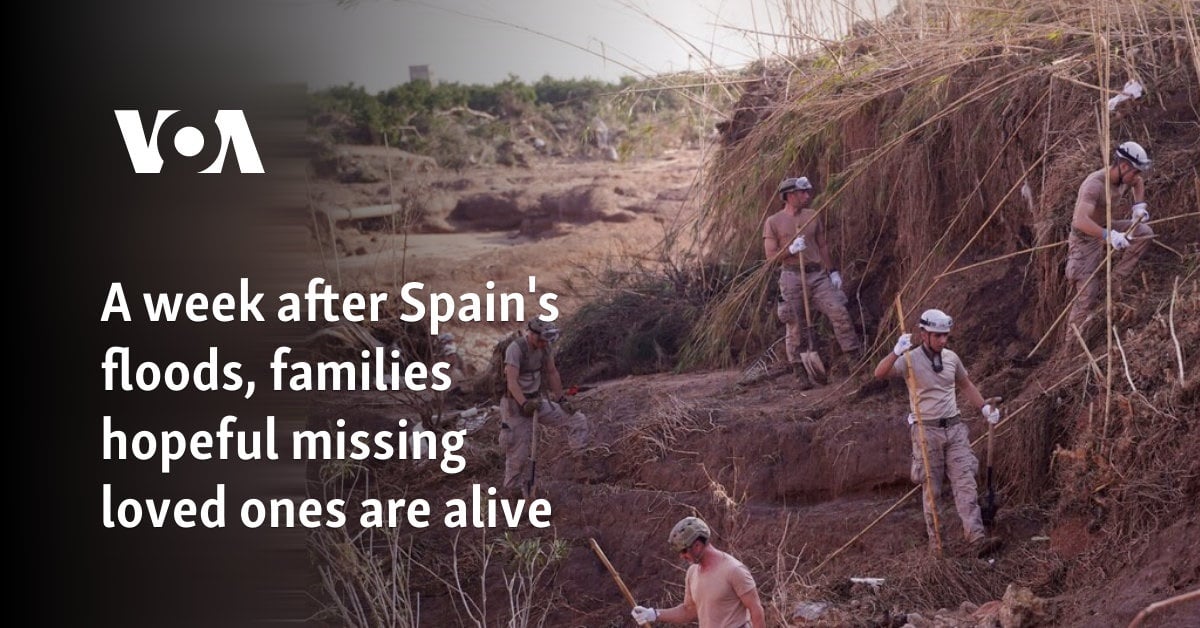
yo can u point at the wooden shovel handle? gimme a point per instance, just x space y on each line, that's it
531 487
613 572
991 401
927 484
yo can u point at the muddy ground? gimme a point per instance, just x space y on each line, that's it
785 476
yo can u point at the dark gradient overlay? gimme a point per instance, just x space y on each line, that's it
96 222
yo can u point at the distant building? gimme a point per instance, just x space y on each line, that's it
420 73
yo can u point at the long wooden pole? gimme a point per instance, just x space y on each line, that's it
613 571
930 498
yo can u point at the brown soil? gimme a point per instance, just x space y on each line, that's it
785 477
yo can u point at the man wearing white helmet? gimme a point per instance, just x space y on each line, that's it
797 229
938 372
718 590
526 360
1089 238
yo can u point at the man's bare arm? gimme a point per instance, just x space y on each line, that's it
1082 220
970 391
754 605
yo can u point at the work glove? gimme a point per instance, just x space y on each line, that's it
991 414
903 344
643 615
1117 239
529 407
797 245
565 405
1140 213
835 278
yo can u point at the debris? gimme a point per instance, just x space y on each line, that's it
1133 89
809 610
874 583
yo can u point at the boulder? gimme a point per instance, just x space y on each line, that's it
488 212
584 203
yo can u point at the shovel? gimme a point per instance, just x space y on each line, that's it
531 486
987 510
810 359
613 571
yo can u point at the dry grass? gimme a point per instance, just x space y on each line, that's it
657 430
921 146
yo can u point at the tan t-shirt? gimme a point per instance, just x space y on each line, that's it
782 227
716 593
529 363
935 391
1091 192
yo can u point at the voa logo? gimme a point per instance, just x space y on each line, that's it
191 144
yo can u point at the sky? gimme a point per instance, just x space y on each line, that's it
372 42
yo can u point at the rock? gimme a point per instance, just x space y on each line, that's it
1021 608
489 212
357 171
584 203
536 225
619 216
987 615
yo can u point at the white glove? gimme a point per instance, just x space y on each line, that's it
1140 213
643 615
1117 240
797 245
903 344
835 279
992 415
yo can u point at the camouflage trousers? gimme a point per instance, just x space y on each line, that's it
950 457
516 434
1085 254
825 299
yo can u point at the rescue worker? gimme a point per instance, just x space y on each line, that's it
718 590
1089 238
938 372
795 233
526 361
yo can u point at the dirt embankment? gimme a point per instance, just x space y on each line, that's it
922 174
785 476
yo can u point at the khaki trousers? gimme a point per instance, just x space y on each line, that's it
825 299
1086 253
516 434
951 458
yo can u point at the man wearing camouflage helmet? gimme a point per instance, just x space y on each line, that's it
526 360
796 233
718 591
1089 238
937 372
